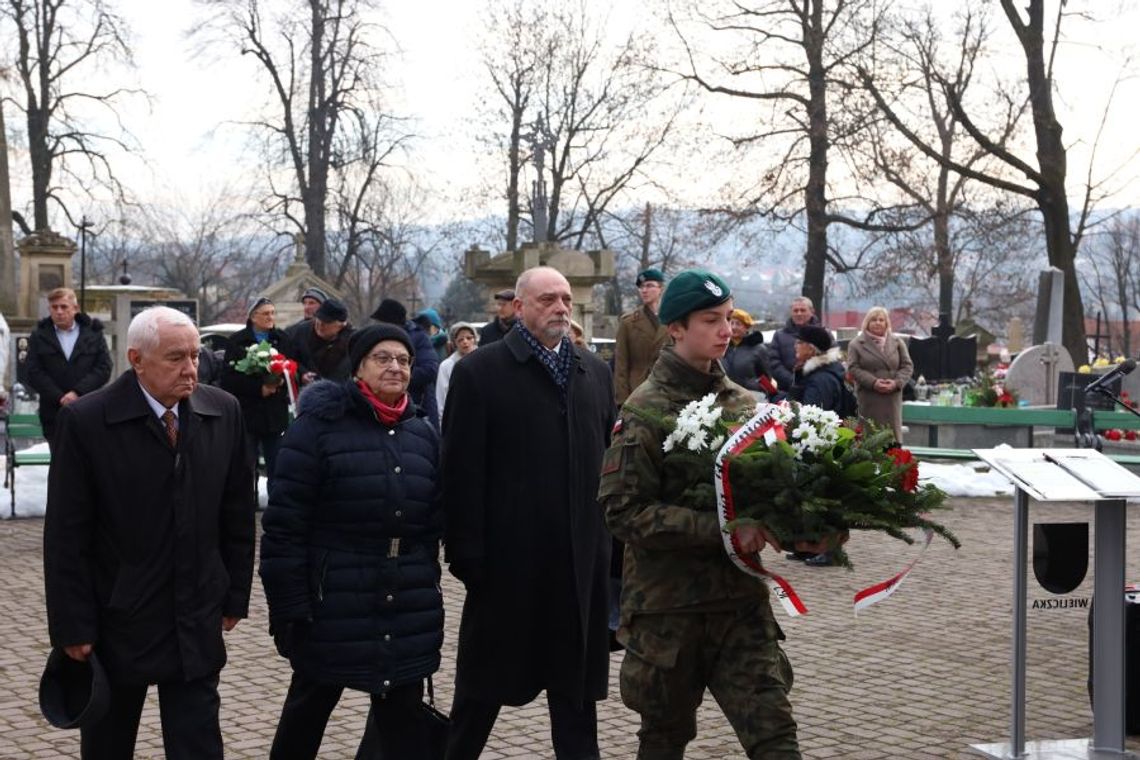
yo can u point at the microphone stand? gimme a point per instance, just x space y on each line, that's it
1086 436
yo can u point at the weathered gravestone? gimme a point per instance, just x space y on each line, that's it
944 355
1035 373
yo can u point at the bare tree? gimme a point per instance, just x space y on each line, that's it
1112 277
918 55
395 252
322 64
60 43
1045 175
789 56
213 250
597 113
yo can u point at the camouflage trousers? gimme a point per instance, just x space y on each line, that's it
672 657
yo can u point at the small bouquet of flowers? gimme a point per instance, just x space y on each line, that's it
264 361
992 393
803 473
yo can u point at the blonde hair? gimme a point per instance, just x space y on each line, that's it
877 311
60 293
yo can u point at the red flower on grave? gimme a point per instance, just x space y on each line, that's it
1113 434
902 457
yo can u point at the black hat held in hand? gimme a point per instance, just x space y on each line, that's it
73 694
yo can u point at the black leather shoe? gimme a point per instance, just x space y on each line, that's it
819 560
798 556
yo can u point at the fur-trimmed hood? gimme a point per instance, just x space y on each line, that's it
821 360
330 400
755 338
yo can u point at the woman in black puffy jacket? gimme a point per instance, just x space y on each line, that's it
349 558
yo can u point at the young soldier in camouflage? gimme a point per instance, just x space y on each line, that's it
689 618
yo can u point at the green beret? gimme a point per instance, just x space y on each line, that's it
650 275
691 290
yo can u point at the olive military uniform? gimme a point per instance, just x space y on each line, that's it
689 618
640 338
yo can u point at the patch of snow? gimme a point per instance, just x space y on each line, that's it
31 489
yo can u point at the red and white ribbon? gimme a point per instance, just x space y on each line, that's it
880 591
762 425
287 367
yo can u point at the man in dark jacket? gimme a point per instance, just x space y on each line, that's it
422 387
148 539
311 300
322 346
504 319
783 353
524 532
67 357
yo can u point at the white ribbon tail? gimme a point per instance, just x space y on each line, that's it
880 591
761 425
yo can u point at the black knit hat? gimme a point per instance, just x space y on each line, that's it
331 310
365 338
820 337
391 311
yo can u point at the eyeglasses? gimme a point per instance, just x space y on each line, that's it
384 358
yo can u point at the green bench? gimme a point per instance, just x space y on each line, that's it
934 416
21 427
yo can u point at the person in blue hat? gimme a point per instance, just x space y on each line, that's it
640 336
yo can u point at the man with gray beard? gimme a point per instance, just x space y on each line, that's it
528 420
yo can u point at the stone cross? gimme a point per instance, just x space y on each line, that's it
540 142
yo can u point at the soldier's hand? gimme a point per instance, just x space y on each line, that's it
78 652
753 538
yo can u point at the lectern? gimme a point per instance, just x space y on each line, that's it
1071 475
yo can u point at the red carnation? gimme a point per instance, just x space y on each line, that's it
1130 435
902 457
1113 434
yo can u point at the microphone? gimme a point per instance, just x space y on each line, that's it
1108 378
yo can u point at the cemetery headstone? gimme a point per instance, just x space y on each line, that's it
1050 300
1035 373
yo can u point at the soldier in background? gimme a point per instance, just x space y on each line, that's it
640 336
690 620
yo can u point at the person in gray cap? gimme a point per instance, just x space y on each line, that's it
504 318
311 300
322 346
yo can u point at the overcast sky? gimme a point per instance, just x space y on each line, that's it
190 150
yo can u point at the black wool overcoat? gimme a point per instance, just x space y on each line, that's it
52 374
524 531
146 547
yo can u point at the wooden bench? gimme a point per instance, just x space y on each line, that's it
19 427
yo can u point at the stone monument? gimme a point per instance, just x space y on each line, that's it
1036 373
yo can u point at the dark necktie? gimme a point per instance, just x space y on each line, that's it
168 419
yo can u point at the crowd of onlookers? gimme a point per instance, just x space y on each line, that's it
513 446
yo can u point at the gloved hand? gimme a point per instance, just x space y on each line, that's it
285 636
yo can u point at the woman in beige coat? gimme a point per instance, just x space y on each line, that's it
880 365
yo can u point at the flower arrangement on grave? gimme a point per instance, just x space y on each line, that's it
990 392
801 472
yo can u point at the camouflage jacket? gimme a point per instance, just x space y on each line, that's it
674 555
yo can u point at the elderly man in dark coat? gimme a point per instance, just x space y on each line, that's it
529 419
148 539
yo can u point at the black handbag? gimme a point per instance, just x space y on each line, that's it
437 725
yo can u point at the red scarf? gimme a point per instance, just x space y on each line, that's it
387 413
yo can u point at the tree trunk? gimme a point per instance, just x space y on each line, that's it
319 127
1051 197
815 194
7 247
514 168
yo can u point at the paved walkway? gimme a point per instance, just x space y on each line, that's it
922 675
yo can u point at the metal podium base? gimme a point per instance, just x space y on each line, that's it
1064 749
